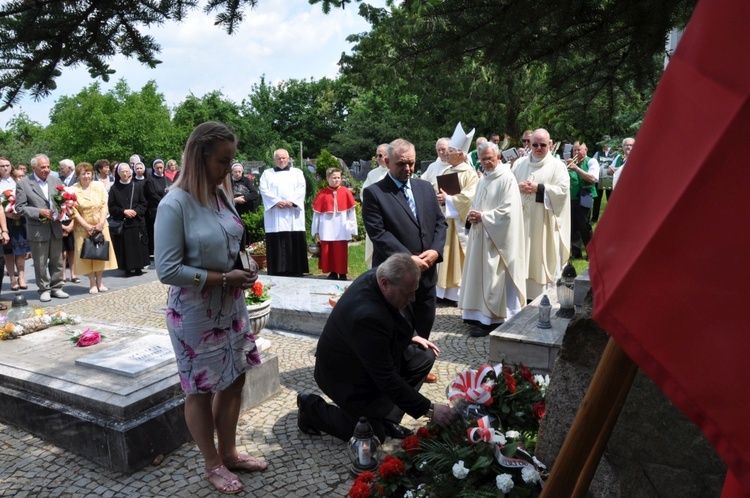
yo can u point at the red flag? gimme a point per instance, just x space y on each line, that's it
669 259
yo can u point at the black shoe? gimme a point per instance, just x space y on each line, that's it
395 430
482 330
332 276
138 272
342 276
302 422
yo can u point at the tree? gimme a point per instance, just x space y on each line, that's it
554 67
212 107
92 125
23 139
38 38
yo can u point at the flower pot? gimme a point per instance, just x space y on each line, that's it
260 259
258 314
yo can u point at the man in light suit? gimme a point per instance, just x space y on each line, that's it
388 211
34 201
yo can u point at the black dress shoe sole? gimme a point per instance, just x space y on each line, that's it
396 431
302 423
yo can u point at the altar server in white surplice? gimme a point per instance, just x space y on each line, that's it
544 184
493 285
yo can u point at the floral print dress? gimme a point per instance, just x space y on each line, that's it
210 329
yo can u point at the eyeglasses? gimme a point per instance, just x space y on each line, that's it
526 140
542 146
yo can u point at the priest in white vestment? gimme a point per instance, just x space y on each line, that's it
374 176
544 184
283 191
441 163
493 284
455 209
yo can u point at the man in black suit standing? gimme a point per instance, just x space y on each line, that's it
369 361
402 215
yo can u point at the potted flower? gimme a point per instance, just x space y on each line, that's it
258 302
258 252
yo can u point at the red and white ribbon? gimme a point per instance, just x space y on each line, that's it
483 432
468 386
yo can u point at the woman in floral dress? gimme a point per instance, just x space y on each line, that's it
197 240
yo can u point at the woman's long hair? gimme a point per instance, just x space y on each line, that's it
202 144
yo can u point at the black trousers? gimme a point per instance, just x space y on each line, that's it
598 203
415 366
580 228
424 309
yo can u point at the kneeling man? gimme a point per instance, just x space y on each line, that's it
370 361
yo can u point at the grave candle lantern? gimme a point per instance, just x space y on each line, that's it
565 286
545 308
364 448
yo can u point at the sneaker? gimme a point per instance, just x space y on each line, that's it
45 297
59 294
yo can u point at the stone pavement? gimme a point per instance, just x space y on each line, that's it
300 465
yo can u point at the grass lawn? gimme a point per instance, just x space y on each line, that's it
357 264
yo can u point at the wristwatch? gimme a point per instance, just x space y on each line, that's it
431 411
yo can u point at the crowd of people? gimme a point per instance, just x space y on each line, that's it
477 231
117 200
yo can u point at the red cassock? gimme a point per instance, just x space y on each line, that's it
334 254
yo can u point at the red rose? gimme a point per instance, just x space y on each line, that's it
366 476
539 409
411 444
89 338
526 374
359 490
391 467
423 433
510 383
60 188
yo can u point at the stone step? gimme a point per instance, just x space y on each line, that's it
519 340
302 305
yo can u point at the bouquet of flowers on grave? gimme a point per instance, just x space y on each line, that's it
64 202
9 201
486 451
38 321
512 396
257 294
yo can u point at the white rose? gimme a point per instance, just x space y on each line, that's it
512 434
530 475
459 471
504 482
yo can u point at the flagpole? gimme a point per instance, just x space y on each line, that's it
587 439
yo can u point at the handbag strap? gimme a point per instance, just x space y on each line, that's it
132 191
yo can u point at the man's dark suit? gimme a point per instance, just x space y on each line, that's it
393 229
45 236
367 363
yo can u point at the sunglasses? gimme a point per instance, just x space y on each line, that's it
539 145
526 140
381 155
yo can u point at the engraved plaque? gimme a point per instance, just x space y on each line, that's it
132 358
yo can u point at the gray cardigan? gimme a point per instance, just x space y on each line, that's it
188 241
